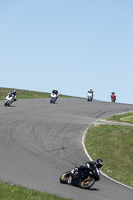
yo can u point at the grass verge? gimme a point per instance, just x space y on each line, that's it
113 144
26 94
14 192
127 118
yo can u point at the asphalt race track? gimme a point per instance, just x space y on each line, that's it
39 141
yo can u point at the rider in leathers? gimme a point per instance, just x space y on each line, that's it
55 91
91 165
91 91
14 95
113 96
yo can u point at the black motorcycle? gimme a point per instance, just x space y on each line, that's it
84 178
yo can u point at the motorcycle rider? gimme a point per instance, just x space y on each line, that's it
55 91
113 96
89 96
14 92
91 91
90 165
14 95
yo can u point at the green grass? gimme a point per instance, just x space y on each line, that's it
113 144
26 94
127 118
14 192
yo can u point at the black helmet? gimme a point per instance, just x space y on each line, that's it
99 163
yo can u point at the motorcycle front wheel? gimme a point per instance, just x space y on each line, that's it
64 177
87 182
51 101
5 104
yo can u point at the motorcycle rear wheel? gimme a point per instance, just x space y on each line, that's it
87 182
64 177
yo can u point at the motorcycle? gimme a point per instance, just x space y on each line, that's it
83 179
8 100
89 96
53 98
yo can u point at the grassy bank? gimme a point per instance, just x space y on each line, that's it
127 118
26 94
114 144
13 192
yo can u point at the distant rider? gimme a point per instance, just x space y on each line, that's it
14 95
91 91
55 91
91 166
113 97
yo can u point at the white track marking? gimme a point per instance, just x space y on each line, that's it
83 139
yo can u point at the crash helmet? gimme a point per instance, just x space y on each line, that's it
99 163
14 92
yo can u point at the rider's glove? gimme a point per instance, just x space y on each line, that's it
76 169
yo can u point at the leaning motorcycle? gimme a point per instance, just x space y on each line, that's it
53 98
84 178
89 96
8 100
